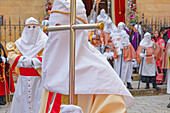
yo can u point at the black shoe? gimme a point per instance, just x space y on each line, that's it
129 86
2 103
147 82
158 88
168 106
146 87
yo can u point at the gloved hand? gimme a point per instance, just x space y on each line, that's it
36 63
153 56
119 52
142 55
70 109
3 59
26 62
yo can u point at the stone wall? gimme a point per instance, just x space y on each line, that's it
154 8
22 9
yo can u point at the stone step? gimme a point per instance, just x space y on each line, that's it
135 77
147 92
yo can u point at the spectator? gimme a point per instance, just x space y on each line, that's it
158 40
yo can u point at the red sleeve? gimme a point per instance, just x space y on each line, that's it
39 58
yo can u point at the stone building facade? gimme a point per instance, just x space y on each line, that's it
22 9
154 8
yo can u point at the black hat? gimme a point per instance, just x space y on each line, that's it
162 29
107 46
167 27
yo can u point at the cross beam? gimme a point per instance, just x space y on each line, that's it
72 27
75 27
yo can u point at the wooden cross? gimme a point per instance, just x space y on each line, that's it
73 27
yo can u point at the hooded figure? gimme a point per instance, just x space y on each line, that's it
122 26
167 66
128 55
103 17
93 73
108 29
109 55
26 54
150 52
115 39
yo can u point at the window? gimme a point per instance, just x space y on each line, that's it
1 19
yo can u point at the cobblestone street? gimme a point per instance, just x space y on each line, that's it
143 104
151 104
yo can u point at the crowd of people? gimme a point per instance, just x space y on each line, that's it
43 64
112 40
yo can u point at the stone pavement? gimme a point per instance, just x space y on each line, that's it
143 104
5 109
151 104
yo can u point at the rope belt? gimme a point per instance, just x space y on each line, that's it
62 12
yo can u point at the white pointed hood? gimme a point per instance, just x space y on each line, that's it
32 40
109 27
147 41
102 17
94 75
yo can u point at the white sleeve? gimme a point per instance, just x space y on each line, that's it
37 63
20 63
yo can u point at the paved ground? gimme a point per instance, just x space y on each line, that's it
5 109
151 104
143 104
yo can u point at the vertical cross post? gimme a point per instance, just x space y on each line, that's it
72 52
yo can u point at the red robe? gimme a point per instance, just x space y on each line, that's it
5 78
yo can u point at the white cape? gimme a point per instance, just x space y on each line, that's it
94 75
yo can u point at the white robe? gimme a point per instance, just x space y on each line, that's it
127 69
21 102
148 69
27 97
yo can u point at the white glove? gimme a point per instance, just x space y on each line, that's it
26 62
119 52
70 109
142 55
3 59
153 56
36 63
